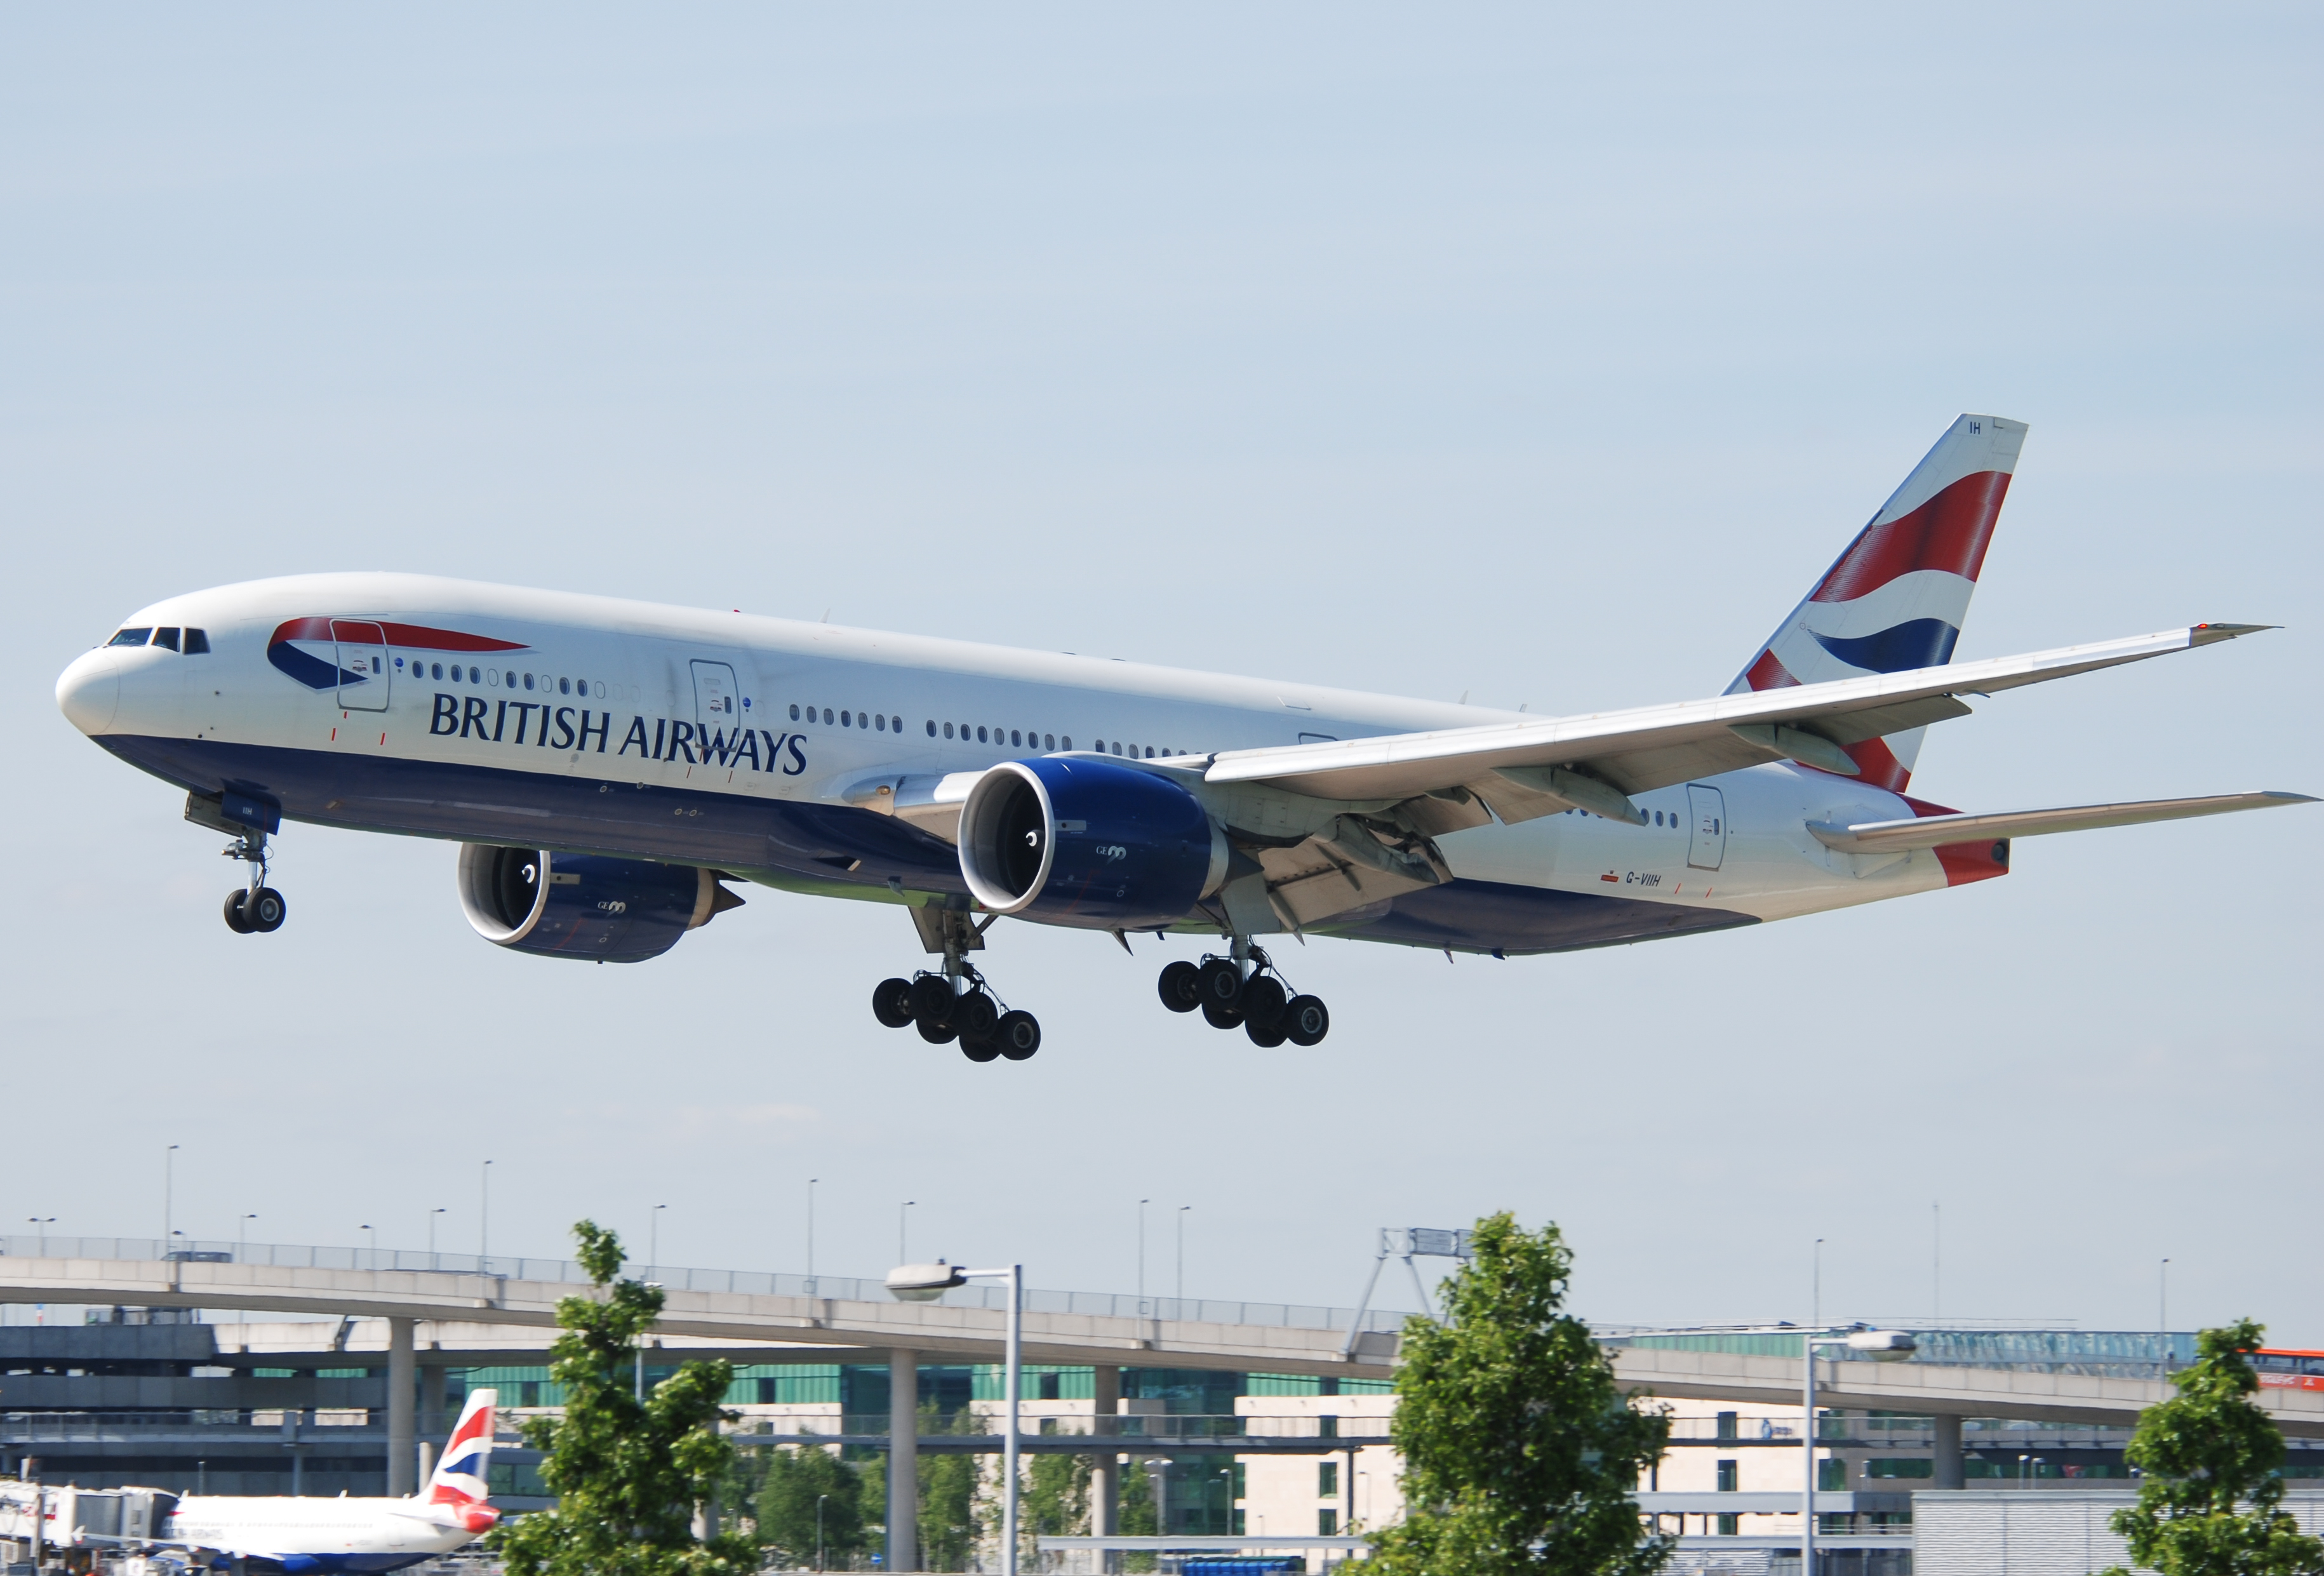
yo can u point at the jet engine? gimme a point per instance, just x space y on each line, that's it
1078 841
583 906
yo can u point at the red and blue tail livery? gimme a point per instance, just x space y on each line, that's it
611 772
458 1484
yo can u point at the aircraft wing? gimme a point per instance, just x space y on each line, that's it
1929 831
1595 762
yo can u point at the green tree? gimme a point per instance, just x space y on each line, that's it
2213 1462
795 1482
628 1478
1520 1453
949 1483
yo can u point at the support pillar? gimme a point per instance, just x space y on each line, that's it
903 1461
1105 1471
1947 1468
401 1457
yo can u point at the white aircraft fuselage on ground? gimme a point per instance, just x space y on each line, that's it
608 763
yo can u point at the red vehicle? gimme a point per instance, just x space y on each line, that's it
2282 1369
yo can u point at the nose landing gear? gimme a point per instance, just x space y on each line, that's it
256 909
955 1004
1259 1003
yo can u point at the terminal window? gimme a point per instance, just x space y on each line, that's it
1327 1480
1727 1477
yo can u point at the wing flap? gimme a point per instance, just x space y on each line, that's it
1933 831
1652 747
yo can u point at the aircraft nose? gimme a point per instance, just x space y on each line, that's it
88 692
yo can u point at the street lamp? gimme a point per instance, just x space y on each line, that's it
1881 1346
925 1283
374 1243
42 1224
653 1234
431 1235
169 1190
818 1529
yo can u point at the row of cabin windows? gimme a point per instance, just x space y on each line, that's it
185 642
494 677
1016 738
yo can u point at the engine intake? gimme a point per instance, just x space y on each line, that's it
583 906
1074 842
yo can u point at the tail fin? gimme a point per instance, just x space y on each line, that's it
458 1482
1897 597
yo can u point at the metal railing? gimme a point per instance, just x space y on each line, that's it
742 1282
986 1417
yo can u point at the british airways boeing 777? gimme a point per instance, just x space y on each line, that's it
609 768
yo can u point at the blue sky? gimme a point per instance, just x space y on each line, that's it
1545 355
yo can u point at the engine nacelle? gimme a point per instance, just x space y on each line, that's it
1077 841
581 905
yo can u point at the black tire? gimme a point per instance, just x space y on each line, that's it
936 1034
1267 1035
1264 1001
891 1003
1306 1020
1018 1035
1181 986
979 1050
1223 983
932 1000
976 1014
1219 1016
267 913
234 919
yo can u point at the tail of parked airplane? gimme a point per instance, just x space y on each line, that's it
457 1484
1897 597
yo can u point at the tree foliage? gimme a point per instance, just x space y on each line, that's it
2211 1504
628 1478
794 1483
948 1485
1520 1453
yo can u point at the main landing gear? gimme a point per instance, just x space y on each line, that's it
1258 1002
955 1004
257 909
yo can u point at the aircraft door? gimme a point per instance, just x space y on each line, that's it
715 705
363 664
1706 835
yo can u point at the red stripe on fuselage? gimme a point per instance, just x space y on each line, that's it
1949 532
412 637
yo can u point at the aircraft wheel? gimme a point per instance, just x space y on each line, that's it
932 1000
1221 984
978 1050
1267 1035
891 1003
1018 1035
1219 1016
976 1014
235 919
1306 1020
937 1034
1181 986
267 913
1264 1001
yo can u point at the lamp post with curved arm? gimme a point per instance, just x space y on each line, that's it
925 1283
1881 1346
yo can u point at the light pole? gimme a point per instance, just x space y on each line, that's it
900 1217
1881 1346
810 1236
1141 1254
2163 1298
1182 1256
374 1243
41 1223
653 1233
431 1235
818 1529
484 1213
924 1283
242 1236
169 1189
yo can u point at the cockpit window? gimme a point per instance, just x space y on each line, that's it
132 637
167 636
198 643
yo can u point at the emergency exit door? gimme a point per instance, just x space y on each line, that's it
714 702
1706 836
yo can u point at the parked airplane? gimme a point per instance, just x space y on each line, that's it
355 1536
609 765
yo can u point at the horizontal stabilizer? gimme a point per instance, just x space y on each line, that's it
1932 831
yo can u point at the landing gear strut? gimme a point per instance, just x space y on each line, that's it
955 1004
1257 1002
256 908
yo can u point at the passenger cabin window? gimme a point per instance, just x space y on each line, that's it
132 637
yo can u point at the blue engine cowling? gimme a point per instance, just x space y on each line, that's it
1070 841
583 906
